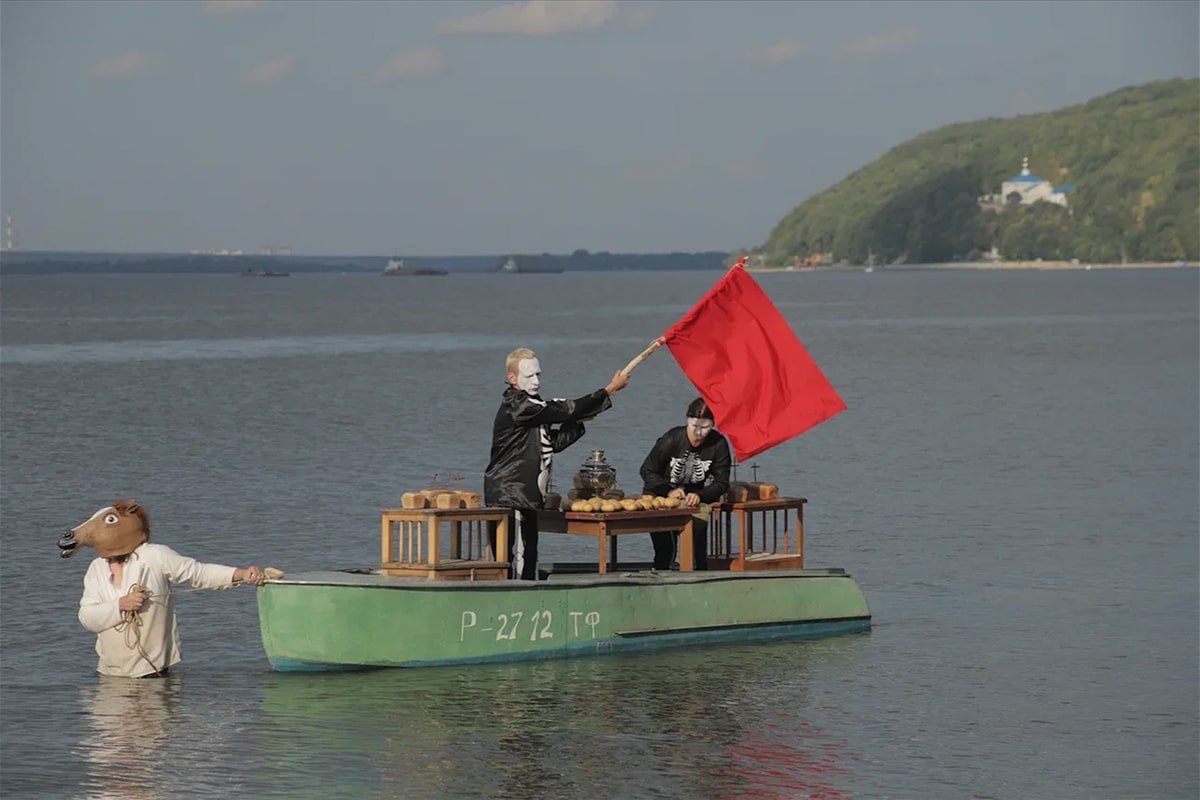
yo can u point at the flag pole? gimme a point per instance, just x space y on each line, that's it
642 356
660 341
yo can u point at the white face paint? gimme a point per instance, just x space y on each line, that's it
698 428
529 375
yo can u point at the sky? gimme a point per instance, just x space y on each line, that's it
481 128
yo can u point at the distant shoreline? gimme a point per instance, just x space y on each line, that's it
1066 265
986 265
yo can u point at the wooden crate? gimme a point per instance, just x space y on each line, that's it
411 543
769 534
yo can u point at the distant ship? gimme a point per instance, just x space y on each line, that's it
396 266
249 273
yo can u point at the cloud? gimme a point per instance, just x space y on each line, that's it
121 66
271 72
536 18
412 63
781 51
231 8
881 44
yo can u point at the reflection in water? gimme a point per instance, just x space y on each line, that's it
131 723
682 724
777 769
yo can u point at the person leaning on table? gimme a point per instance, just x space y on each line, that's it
690 462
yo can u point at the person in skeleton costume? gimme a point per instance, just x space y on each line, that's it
528 431
690 462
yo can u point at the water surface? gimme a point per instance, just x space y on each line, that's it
1014 486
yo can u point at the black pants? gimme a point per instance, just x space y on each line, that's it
522 543
666 543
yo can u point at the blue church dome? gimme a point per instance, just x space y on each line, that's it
1025 176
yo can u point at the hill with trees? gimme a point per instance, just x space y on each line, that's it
1132 158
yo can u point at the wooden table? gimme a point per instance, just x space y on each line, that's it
607 526
747 512
411 541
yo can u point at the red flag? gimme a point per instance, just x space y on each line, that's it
738 351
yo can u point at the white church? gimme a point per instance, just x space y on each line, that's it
1026 189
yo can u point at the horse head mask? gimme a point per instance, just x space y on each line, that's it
115 530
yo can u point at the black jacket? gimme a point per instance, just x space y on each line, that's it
666 466
527 432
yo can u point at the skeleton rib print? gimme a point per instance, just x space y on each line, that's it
689 470
547 458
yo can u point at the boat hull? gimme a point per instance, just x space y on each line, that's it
344 620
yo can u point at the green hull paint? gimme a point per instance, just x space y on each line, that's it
338 620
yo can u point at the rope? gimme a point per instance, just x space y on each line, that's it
131 623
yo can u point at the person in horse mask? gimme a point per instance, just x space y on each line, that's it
127 600
527 432
690 462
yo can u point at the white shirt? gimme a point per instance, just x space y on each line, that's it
154 644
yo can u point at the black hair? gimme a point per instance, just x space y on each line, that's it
699 409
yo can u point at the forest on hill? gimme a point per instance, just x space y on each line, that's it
1130 161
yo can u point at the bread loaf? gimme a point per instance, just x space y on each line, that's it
448 500
413 500
738 492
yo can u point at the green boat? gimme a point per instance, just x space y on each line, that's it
424 607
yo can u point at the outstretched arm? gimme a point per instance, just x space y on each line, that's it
207 576
619 381
582 409
586 408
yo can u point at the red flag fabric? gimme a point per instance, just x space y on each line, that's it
741 355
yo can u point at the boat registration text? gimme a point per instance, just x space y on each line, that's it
539 625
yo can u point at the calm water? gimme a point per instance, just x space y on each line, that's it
1014 486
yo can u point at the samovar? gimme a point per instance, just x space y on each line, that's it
596 478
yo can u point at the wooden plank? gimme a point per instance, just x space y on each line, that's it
448 570
387 540
766 561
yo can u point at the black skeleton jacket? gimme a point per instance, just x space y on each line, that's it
674 462
527 432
